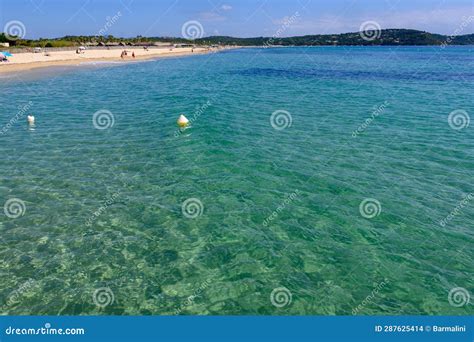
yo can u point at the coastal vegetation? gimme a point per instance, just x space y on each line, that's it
382 37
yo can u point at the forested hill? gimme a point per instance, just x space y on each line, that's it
383 37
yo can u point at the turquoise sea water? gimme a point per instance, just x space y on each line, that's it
282 226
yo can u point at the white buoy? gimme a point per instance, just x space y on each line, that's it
182 121
31 119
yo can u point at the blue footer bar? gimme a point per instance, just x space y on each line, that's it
242 328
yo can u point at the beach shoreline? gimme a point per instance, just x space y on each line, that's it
28 61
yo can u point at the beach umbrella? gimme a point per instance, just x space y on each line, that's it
2 56
6 54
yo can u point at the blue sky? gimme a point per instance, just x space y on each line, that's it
242 18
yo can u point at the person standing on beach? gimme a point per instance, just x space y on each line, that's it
133 54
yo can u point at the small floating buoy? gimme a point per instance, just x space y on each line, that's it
31 120
182 121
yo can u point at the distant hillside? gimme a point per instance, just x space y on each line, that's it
383 37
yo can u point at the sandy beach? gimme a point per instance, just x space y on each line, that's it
29 60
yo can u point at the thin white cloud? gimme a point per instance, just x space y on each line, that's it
442 20
448 18
226 7
323 25
211 16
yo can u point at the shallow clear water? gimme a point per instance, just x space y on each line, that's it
280 207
